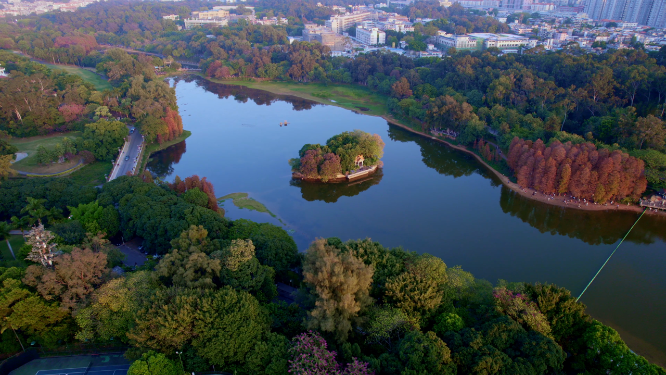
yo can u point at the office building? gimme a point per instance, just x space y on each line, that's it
370 36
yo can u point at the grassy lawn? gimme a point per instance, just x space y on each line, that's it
357 98
92 77
16 242
241 201
29 145
92 174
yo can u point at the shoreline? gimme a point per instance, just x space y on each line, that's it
559 201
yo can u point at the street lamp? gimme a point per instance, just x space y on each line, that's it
17 338
181 358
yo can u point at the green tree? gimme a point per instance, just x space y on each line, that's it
35 210
103 138
153 363
339 284
242 271
421 289
187 264
114 306
425 354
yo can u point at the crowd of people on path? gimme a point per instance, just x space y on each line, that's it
570 199
444 133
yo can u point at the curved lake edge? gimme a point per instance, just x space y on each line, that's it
531 194
554 262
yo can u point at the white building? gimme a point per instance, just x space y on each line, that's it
2 72
503 41
370 36
341 23
191 23
172 17
459 42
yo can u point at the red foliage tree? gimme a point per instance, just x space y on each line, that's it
71 112
580 170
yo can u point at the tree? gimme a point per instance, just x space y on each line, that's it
421 289
22 310
340 285
6 166
187 264
651 131
223 326
242 271
5 236
521 309
73 277
425 354
43 250
386 326
401 89
103 138
153 363
114 306
35 210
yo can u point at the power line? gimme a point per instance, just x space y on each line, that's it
616 247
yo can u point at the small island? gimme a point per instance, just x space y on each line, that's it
345 157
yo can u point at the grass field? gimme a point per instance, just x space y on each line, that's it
92 77
241 201
29 145
357 98
16 242
92 174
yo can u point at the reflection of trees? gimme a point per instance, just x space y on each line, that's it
443 159
242 94
592 227
161 163
330 193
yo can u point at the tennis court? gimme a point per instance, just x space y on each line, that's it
105 364
97 370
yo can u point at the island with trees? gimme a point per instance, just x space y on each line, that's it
344 157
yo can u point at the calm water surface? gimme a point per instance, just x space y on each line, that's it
428 198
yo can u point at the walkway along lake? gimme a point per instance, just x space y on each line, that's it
427 198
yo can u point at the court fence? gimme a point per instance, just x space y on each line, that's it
12 363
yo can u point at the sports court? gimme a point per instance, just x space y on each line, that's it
105 364
101 370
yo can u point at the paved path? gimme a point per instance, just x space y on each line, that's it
131 149
72 169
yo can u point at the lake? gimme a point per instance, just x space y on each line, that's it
428 198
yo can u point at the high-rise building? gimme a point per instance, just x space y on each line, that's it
644 12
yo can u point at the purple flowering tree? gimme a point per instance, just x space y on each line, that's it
310 356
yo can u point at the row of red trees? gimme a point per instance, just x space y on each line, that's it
579 170
174 126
